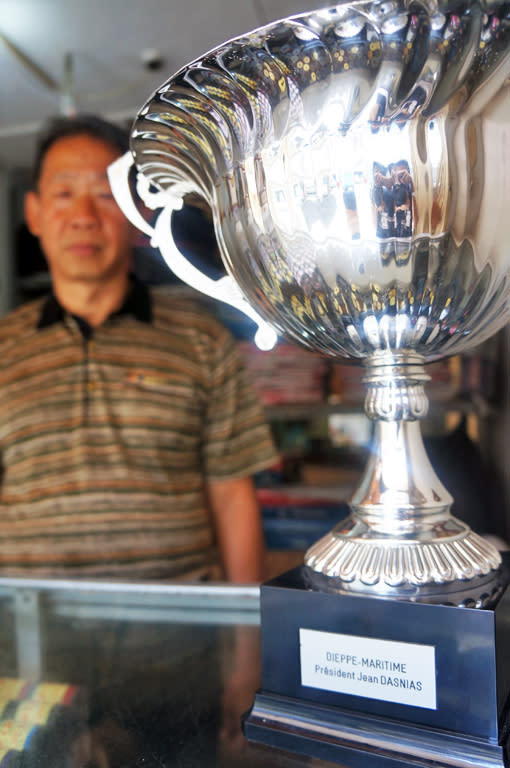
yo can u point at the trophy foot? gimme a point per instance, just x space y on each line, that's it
478 592
455 566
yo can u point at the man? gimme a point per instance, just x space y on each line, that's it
128 431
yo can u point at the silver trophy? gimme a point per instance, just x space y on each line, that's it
356 160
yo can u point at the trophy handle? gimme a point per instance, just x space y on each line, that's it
225 289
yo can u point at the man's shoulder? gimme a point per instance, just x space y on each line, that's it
176 308
20 321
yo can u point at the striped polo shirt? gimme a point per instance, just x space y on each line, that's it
108 438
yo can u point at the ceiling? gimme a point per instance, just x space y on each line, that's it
90 55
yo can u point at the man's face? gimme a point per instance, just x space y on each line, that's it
83 234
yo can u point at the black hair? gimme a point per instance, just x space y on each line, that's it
79 125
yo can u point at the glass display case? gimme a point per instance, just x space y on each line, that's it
98 675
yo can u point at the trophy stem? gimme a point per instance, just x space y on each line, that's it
400 534
400 494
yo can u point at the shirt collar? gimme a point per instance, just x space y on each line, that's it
137 303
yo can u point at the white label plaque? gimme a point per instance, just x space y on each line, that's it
404 673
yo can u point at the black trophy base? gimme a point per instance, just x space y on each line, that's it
362 741
449 709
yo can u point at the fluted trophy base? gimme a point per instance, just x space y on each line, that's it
369 681
479 592
455 566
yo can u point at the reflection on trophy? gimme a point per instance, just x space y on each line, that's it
356 160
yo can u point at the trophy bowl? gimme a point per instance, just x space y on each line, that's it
357 162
